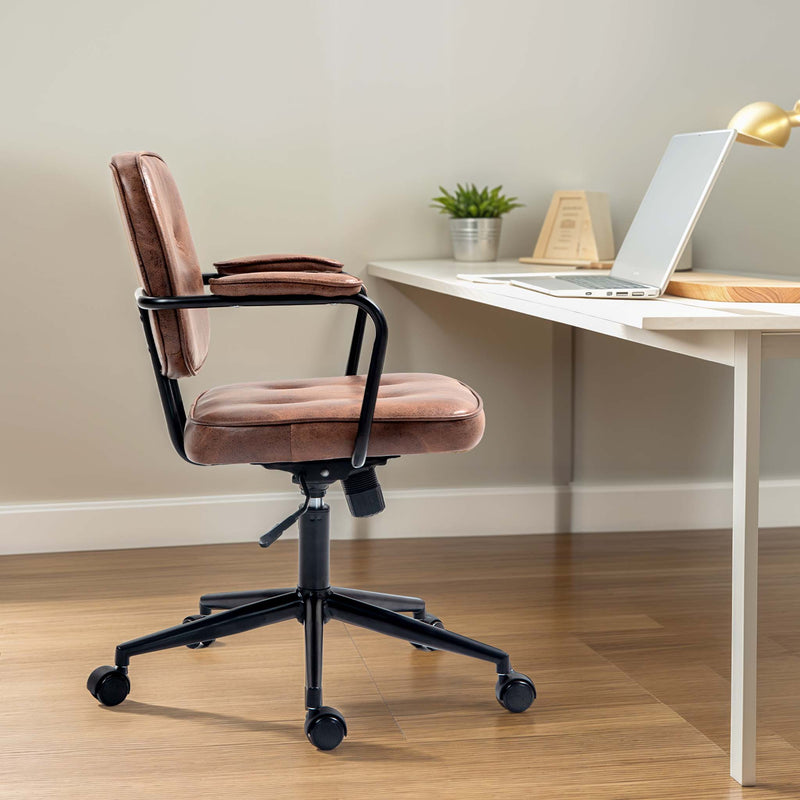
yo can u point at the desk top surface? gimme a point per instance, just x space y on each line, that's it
665 313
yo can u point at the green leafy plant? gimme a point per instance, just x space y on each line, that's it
468 202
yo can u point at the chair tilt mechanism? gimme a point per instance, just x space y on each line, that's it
321 431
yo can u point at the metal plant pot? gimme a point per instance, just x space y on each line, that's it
475 239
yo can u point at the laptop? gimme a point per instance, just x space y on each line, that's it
659 231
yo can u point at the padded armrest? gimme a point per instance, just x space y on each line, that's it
277 263
323 284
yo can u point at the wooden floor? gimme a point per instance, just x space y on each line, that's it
626 636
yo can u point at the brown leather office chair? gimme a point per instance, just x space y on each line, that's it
320 430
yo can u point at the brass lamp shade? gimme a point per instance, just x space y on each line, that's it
765 124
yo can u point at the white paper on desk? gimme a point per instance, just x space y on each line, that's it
504 277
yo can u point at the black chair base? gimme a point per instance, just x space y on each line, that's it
313 602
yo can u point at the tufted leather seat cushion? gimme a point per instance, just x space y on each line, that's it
315 419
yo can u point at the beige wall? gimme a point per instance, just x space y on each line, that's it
325 127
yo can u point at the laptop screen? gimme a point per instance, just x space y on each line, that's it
673 202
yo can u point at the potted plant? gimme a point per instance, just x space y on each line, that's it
475 219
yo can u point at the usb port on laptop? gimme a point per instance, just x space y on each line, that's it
638 294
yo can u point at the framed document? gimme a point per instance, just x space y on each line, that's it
576 232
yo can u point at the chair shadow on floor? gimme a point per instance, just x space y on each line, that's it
354 749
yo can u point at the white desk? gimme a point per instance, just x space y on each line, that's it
739 335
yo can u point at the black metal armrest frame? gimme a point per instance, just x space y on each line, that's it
168 388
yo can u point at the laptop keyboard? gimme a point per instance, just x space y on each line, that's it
603 282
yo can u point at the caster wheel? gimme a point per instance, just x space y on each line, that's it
515 691
325 727
109 685
198 645
430 620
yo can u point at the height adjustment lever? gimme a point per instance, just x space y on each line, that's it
272 535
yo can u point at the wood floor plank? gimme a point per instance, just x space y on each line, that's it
626 636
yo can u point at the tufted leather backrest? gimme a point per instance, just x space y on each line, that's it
165 257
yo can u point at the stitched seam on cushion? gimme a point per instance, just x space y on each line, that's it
232 262
317 282
291 288
272 260
155 328
478 398
131 230
328 421
240 281
152 314
178 317
182 335
149 197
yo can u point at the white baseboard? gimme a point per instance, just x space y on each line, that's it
54 527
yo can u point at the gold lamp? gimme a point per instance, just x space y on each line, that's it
765 124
